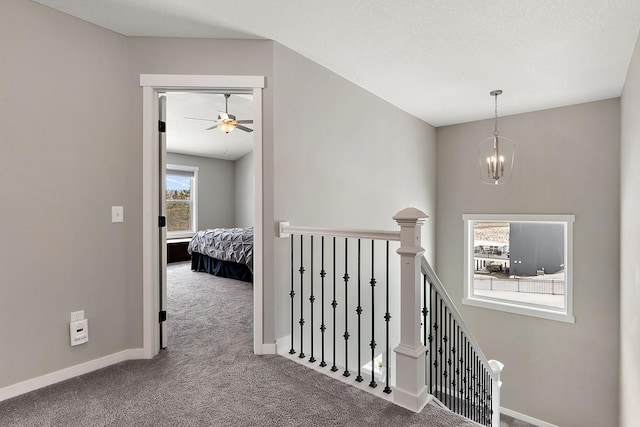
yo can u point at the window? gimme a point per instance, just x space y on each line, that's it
520 264
181 197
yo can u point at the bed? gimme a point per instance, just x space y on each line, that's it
223 252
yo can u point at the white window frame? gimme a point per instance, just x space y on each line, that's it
194 200
469 298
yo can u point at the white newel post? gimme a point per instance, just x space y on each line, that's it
410 391
496 383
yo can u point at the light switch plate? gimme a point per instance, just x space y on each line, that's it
77 316
117 214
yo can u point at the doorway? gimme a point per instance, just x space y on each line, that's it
152 267
209 185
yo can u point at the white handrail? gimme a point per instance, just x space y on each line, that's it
435 281
285 229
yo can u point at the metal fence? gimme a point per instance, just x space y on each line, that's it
532 286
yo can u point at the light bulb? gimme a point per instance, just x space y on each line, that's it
226 127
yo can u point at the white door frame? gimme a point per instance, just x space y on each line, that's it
151 85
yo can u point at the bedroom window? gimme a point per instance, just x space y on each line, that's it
181 200
520 264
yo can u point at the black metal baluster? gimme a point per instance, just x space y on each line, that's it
444 344
359 312
456 343
431 337
456 387
485 406
424 329
292 294
452 363
473 382
323 327
475 386
440 349
491 408
463 372
436 339
372 344
463 378
484 393
480 388
346 335
312 300
472 398
483 419
480 396
446 339
387 318
450 354
334 304
479 381
467 369
301 355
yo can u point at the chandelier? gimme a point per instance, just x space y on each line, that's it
496 153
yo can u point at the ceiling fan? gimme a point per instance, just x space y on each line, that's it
226 122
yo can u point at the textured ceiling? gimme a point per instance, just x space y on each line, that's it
435 59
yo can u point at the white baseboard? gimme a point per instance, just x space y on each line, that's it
526 418
283 344
70 372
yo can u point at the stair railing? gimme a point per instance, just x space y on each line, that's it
458 374
437 357
336 291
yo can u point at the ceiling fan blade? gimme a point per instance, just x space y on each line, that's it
244 128
212 127
244 121
197 118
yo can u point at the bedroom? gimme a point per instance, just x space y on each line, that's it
209 179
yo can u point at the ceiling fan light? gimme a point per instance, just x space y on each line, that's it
226 127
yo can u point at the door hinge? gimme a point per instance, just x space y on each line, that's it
163 316
162 221
162 126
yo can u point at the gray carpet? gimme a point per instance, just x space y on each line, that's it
209 376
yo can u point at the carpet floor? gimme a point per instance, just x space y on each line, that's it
209 376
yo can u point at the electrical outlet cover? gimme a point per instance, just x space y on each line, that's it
79 332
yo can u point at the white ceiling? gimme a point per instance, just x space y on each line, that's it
188 136
436 59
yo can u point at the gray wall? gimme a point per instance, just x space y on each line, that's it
344 158
66 157
216 189
630 246
244 191
71 117
561 373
